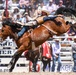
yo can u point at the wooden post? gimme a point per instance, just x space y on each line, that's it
6 8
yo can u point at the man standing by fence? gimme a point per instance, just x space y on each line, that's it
46 55
74 53
56 48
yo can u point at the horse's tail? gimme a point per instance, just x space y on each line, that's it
62 10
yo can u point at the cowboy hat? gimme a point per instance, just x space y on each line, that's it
57 40
45 11
50 0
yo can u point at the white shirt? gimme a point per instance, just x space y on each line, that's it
51 8
56 48
23 20
74 47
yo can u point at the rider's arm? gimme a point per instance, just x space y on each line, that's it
22 24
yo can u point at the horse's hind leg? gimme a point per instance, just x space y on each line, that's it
49 65
35 63
34 66
13 61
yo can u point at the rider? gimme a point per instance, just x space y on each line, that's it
44 17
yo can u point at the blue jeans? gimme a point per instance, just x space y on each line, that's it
23 30
23 7
54 63
74 60
49 18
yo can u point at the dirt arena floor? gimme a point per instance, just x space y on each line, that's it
38 73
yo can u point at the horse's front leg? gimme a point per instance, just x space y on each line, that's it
35 63
14 60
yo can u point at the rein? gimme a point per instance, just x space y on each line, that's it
51 31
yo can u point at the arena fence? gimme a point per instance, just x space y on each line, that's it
8 48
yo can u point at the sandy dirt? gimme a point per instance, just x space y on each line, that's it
37 73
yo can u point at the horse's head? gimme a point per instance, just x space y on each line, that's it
9 22
5 31
8 28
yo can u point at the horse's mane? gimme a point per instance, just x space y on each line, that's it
9 22
62 10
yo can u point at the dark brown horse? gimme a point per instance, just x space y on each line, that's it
33 56
36 55
37 36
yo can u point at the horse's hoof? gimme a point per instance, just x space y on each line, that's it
34 71
9 68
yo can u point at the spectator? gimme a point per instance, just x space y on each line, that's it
37 11
27 3
9 4
26 18
18 18
51 7
28 8
60 4
15 12
6 14
56 48
22 4
74 53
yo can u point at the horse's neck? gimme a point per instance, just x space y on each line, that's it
13 35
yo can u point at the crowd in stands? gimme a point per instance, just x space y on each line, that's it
31 12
